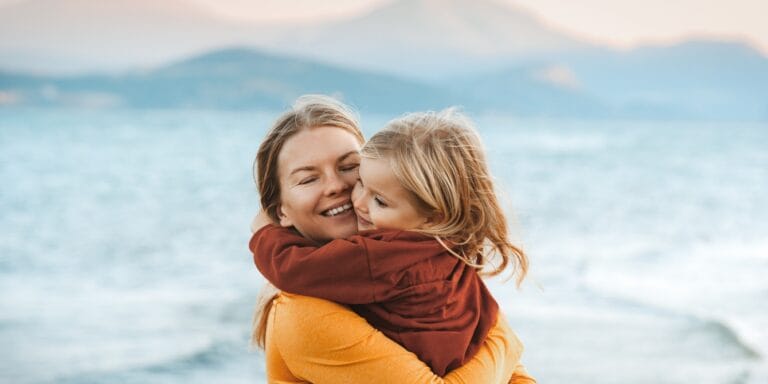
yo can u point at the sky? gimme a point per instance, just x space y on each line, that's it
619 23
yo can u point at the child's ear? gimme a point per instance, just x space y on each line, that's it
284 220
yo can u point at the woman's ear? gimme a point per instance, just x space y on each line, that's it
284 220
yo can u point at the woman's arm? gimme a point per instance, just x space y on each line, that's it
521 376
323 342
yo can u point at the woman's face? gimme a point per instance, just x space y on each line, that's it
317 169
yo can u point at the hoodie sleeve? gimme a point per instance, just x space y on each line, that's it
339 271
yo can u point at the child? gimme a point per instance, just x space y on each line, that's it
430 221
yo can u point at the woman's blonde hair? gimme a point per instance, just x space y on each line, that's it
438 157
309 111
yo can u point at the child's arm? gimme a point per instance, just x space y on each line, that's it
260 221
338 271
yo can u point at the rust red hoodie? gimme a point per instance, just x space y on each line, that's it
404 283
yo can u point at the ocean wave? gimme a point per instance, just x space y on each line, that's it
733 334
207 357
217 353
730 333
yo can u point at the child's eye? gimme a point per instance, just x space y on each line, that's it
380 202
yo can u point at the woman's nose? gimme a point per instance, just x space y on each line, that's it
336 185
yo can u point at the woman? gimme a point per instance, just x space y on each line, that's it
306 168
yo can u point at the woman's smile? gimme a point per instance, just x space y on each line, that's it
337 210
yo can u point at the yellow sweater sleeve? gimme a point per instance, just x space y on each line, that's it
521 376
311 340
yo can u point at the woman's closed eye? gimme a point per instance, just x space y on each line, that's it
307 180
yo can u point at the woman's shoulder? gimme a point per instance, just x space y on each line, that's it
289 304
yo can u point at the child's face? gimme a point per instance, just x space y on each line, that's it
380 201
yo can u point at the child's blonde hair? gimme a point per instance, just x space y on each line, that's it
438 157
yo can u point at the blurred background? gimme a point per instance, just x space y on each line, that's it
629 141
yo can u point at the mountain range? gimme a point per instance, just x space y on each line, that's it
406 54
405 36
431 38
226 79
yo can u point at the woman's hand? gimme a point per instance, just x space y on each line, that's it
259 221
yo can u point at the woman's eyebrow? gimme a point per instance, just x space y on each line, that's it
299 169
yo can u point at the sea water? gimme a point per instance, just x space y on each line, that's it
123 246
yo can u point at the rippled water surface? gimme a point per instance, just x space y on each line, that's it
123 251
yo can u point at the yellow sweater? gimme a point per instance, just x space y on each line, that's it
312 340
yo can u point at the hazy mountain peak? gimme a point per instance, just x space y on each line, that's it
482 27
706 46
436 37
456 8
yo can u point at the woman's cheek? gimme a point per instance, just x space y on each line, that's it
309 198
300 198
351 177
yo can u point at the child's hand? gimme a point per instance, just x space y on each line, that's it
259 221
